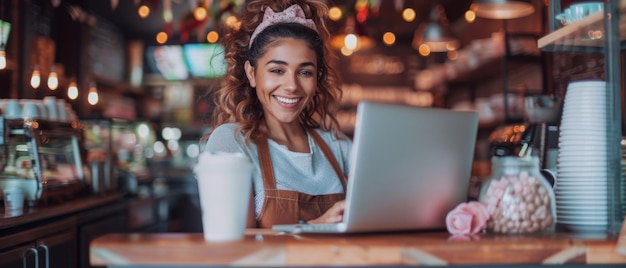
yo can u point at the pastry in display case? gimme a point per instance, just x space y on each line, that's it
43 158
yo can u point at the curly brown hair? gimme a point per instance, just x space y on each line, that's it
236 100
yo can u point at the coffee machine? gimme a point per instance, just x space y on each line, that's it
538 135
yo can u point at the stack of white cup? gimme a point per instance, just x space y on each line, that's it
49 108
582 168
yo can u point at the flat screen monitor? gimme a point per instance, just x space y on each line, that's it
205 60
167 60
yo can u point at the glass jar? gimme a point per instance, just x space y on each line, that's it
519 199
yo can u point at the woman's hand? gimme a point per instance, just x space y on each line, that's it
332 215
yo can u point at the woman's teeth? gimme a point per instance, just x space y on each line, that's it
287 100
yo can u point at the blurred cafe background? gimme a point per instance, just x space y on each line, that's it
103 102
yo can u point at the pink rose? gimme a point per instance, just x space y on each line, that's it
467 218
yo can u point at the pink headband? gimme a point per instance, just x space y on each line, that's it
293 14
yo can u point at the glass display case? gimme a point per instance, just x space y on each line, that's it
42 158
586 41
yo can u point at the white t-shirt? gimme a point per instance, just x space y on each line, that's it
309 173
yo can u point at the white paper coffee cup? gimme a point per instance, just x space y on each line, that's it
224 183
13 199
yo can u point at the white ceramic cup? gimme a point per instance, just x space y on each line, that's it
12 109
13 198
51 105
62 116
224 183
30 110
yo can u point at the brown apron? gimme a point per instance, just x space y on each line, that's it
288 207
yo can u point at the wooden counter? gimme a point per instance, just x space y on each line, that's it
28 215
267 248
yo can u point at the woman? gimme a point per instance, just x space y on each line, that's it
277 107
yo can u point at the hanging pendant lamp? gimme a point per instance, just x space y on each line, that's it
350 40
435 35
503 9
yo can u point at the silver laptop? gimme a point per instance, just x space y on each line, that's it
409 166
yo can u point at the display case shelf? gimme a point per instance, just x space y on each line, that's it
585 35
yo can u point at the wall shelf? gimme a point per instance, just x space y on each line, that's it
578 36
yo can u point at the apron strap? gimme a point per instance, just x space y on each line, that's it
265 160
329 156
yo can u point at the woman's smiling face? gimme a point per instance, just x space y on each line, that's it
285 79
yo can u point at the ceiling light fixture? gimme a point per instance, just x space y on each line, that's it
349 40
435 34
470 16
53 79
200 13
212 37
335 13
389 38
143 11
35 79
72 91
92 97
161 37
408 14
503 9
